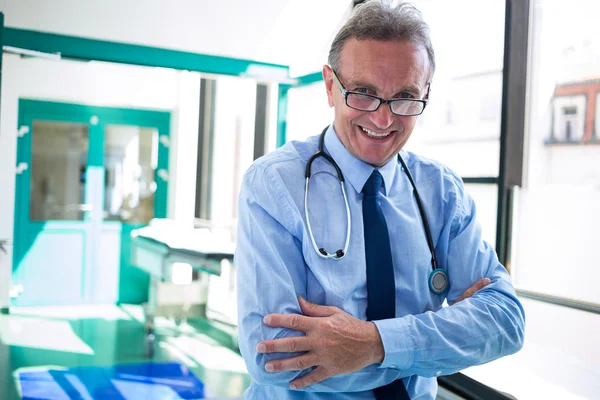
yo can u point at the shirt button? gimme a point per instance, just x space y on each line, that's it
393 366
438 373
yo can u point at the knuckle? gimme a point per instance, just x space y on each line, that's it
300 363
294 321
325 324
292 346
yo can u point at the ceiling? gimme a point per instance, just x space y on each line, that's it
289 32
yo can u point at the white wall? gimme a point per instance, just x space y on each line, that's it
308 111
100 84
288 32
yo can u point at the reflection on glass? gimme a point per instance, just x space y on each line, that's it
59 154
130 160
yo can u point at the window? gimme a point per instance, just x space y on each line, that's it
568 122
556 213
461 124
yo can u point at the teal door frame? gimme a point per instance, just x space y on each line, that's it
132 282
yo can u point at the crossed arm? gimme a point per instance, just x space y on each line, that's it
335 342
289 342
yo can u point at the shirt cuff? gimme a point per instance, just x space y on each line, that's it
398 343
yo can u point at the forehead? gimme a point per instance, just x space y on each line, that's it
384 62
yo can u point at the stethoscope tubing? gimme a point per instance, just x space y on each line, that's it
436 274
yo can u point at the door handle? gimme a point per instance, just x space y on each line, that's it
79 207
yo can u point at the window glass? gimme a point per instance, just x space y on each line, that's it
461 124
59 154
558 208
556 212
130 161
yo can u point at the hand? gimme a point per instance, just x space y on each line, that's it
335 343
480 284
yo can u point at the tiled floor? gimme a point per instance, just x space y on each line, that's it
70 337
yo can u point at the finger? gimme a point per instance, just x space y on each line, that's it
291 321
315 310
474 288
317 375
480 284
286 345
290 364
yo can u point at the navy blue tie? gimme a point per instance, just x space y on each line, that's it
381 289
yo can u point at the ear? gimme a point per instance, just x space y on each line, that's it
329 84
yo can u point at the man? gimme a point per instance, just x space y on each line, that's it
365 322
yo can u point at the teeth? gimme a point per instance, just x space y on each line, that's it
375 134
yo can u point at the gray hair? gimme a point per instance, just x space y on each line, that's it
382 21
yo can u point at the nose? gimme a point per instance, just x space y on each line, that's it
383 117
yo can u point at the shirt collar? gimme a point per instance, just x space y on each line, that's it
356 171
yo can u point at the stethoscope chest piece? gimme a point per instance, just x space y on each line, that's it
438 281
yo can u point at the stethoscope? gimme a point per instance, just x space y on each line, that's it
438 279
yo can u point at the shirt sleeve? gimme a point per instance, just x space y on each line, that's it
271 273
484 327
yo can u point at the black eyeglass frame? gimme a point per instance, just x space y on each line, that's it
346 93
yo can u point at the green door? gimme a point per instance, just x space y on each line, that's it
86 176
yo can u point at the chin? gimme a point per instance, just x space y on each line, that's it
376 161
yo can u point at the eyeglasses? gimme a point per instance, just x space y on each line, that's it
367 102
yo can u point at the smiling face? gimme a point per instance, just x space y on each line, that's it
387 69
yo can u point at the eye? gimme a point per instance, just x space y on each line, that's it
404 95
361 90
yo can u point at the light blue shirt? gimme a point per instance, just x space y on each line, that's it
276 262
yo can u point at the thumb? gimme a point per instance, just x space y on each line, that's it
314 310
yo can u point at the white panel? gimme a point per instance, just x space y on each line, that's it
105 276
183 153
52 269
233 144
